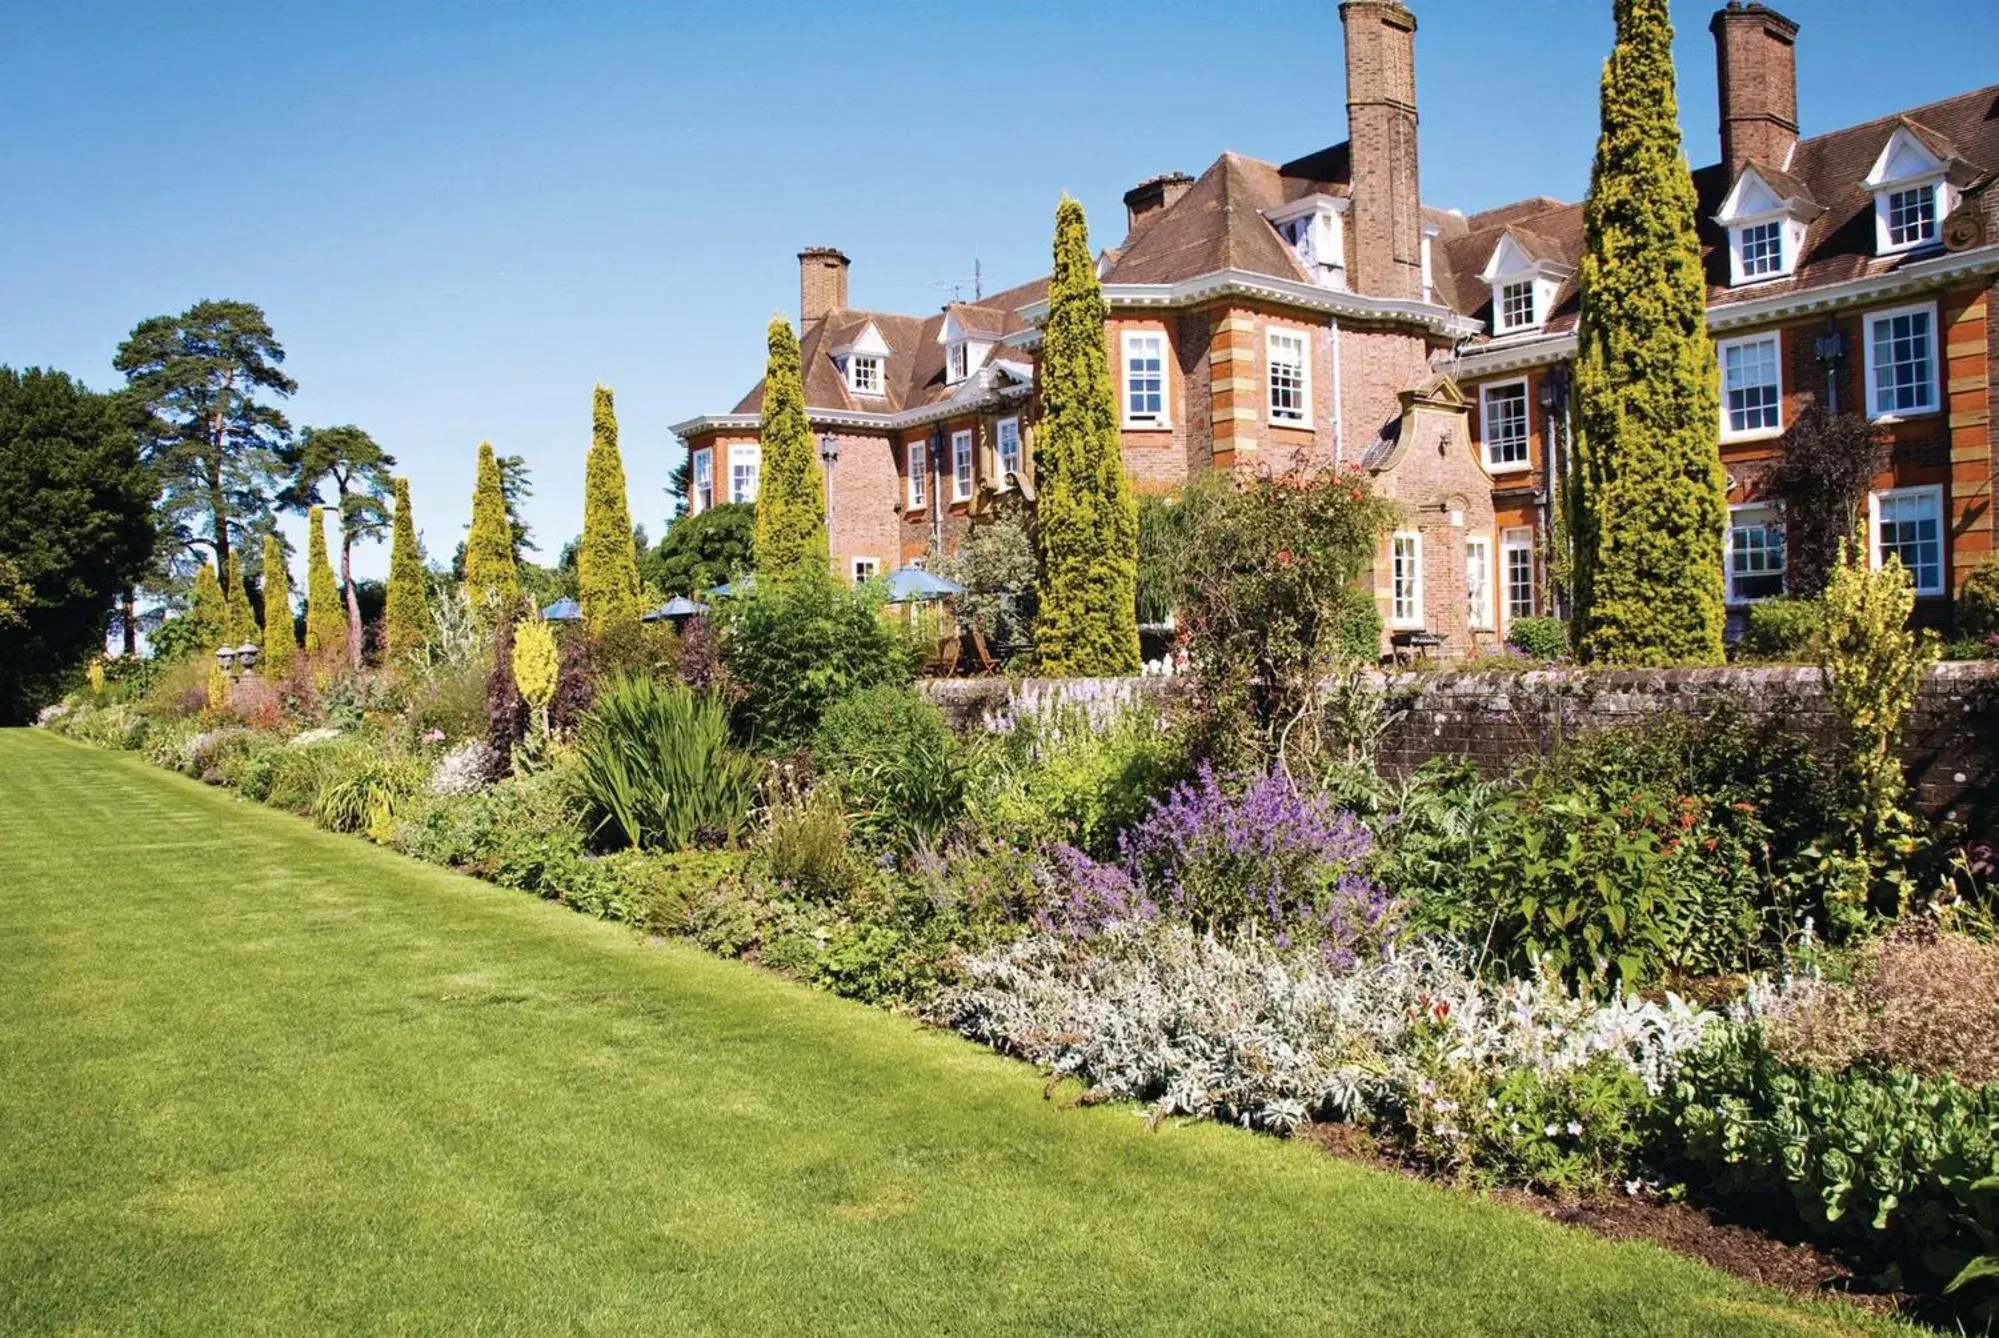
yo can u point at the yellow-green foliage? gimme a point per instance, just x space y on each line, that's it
607 565
1086 515
791 517
1651 497
94 675
536 666
325 621
490 579
1978 599
1873 665
218 688
241 622
407 618
209 614
280 639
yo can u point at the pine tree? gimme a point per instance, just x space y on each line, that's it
490 578
325 621
1652 497
280 639
607 566
241 623
406 622
1086 515
208 615
791 496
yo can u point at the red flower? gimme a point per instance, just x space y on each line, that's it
1283 557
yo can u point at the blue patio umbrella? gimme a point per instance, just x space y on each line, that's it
564 610
680 606
742 587
912 585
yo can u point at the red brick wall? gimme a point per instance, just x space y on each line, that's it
1376 366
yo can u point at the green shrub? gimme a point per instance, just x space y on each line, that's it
1565 1130
1073 773
1978 600
1963 649
667 887
795 649
804 845
897 762
452 701
1539 638
359 786
657 769
1781 629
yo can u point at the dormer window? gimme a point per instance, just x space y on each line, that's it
1525 277
864 374
1516 306
1312 228
1766 215
957 361
1762 246
1912 192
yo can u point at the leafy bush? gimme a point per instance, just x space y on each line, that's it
995 563
1978 600
702 550
657 768
521 832
667 886
897 762
450 701
1780 629
804 845
1077 769
797 648
1901 1168
1539 638
360 786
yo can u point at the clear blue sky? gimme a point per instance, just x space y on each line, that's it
460 216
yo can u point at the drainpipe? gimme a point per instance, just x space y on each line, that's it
829 455
1339 437
934 466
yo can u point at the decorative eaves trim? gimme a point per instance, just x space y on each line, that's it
987 396
1922 276
1295 292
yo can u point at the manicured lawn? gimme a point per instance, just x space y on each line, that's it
253 1076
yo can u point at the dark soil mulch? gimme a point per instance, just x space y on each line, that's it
1733 1247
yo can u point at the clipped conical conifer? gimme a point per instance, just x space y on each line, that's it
607 564
406 621
325 619
490 579
1086 515
208 615
790 535
280 638
1651 495
242 620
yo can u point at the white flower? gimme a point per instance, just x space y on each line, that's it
1575 1128
1550 1130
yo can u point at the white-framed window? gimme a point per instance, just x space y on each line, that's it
704 482
1761 246
1755 557
1478 581
1503 425
957 362
1516 571
1909 217
1752 386
1901 351
1516 306
1007 435
865 569
916 455
961 466
745 466
864 374
1144 378
1405 594
1289 381
1908 524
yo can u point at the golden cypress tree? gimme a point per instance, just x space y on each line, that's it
607 563
208 615
790 539
490 579
1650 497
407 618
1086 514
241 624
280 638
325 620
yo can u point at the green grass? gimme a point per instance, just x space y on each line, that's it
254 1076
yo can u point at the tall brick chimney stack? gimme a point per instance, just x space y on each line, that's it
1756 64
822 283
1386 214
1154 195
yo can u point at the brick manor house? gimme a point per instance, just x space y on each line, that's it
1264 313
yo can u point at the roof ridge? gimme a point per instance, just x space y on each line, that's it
1905 114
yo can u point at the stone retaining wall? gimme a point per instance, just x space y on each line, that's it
1950 742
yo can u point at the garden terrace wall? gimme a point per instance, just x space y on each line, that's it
1950 742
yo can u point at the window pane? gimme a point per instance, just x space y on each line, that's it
1478 582
1762 249
1755 554
1009 445
1912 530
961 464
1903 363
1287 377
1145 379
1406 578
1506 425
1516 303
1912 216
1517 559
919 475
1749 386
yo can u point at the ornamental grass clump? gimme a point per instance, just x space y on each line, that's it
657 768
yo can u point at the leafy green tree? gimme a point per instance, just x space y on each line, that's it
607 566
358 468
241 624
408 616
490 579
280 637
996 565
325 622
76 528
702 551
1086 516
207 618
215 444
680 487
791 491
1652 497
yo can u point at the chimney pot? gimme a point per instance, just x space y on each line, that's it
1756 72
822 283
